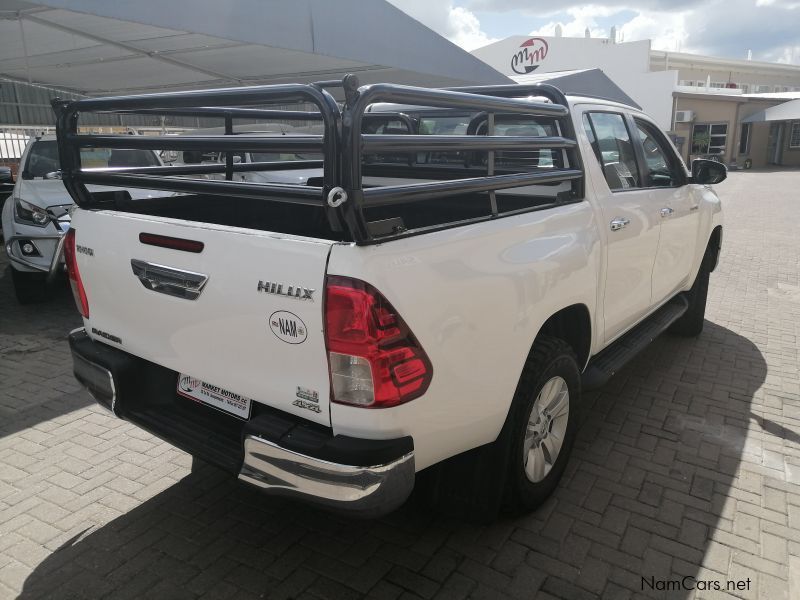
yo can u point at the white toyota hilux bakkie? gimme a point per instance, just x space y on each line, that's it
426 309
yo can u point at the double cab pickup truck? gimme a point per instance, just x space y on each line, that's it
429 304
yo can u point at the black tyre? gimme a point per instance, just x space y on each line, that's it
541 426
690 324
29 288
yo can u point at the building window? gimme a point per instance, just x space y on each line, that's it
794 138
762 89
745 88
744 138
717 84
709 138
686 82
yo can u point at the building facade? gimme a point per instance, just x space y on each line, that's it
744 113
628 65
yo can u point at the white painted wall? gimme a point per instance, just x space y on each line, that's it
627 64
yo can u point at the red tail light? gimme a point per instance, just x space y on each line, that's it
78 291
374 358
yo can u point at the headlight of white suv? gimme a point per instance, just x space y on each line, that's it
30 214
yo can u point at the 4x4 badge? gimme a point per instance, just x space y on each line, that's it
292 291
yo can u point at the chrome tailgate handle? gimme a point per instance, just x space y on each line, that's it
168 280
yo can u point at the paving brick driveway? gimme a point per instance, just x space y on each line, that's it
688 464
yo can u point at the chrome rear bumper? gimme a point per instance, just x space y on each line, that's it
277 452
357 490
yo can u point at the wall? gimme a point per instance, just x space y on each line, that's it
708 110
627 64
758 146
759 138
732 111
751 79
567 54
699 68
791 156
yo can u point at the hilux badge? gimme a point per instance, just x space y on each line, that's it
292 291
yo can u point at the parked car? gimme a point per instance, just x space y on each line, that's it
436 299
37 215
300 166
6 184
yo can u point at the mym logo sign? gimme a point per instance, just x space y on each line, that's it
529 56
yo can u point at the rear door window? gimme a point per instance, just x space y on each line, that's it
614 149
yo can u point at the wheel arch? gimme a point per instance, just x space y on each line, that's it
573 324
713 248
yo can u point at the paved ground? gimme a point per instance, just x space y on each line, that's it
688 465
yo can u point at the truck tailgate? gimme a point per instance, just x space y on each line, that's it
256 327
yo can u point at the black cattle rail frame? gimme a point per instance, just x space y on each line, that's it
342 145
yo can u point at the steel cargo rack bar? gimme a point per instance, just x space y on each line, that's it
534 90
229 104
492 101
189 142
340 191
237 113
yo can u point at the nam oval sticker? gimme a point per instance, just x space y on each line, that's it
288 327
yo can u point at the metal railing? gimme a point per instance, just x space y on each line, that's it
14 139
343 146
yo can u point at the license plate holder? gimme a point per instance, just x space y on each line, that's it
214 396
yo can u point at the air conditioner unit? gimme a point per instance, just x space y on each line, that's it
684 116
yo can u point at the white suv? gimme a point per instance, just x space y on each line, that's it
37 214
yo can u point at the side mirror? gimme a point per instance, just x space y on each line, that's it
708 172
27 175
53 175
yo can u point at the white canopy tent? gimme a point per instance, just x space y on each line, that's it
99 47
788 111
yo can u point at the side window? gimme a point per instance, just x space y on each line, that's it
660 162
614 149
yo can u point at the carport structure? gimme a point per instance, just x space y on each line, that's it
96 47
783 136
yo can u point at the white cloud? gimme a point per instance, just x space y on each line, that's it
583 17
467 29
788 55
456 23
726 28
668 31
790 4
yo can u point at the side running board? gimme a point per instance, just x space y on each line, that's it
603 366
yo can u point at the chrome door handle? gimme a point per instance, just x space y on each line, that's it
618 223
666 211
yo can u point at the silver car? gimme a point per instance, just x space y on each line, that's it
37 214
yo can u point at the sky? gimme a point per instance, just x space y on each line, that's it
724 28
